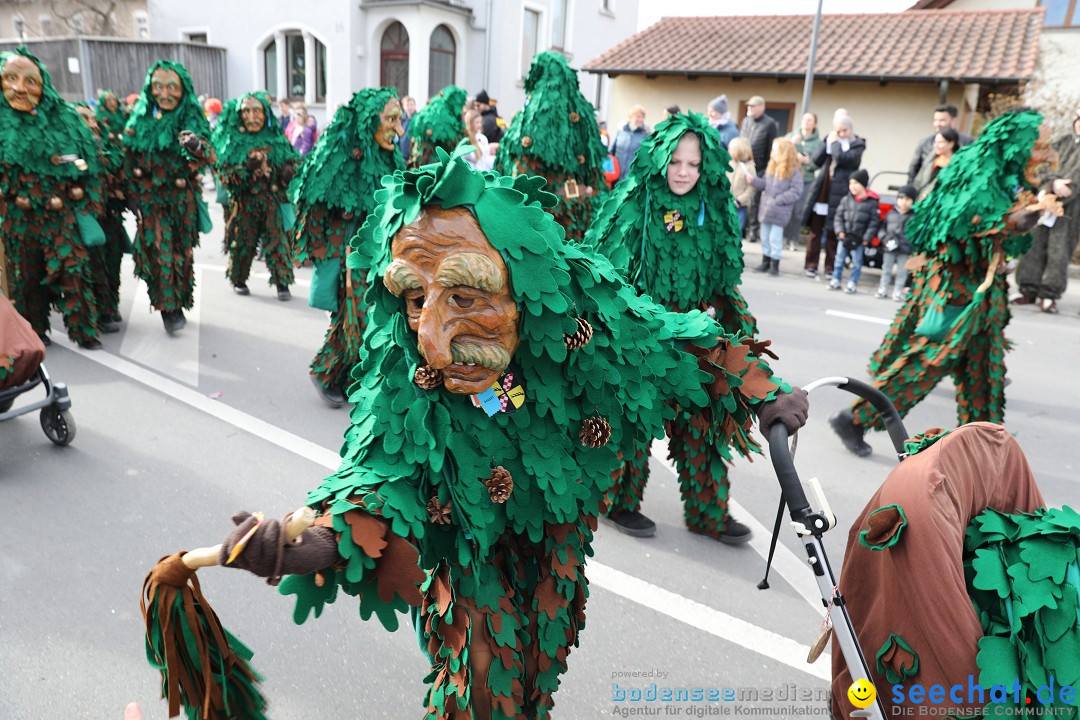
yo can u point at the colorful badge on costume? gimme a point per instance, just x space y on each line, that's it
506 396
673 221
570 188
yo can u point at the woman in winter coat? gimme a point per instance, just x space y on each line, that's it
838 157
742 167
780 191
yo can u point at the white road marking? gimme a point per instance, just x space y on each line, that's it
727 627
146 342
785 563
716 623
856 316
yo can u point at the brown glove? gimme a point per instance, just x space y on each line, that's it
191 142
285 174
791 409
268 555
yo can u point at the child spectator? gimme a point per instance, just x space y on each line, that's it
857 221
742 164
897 245
781 188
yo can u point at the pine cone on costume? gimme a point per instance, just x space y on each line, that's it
574 117
427 377
526 142
595 432
500 484
438 513
580 338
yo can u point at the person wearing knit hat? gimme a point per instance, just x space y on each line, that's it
858 218
896 244
720 118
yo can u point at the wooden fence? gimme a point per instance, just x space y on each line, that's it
80 66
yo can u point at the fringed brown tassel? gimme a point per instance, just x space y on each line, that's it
186 642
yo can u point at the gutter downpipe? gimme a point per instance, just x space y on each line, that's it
808 85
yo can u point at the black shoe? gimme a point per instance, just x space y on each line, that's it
91 344
116 317
843 424
735 533
106 326
44 339
774 267
283 293
174 320
631 522
765 264
333 397
241 289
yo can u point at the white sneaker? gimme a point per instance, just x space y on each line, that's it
897 296
880 294
834 284
850 289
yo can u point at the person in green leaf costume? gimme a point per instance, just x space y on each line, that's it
957 575
556 137
105 259
256 163
670 225
110 116
167 145
334 192
505 372
50 187
439 125
953 322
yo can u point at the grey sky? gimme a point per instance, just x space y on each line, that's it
652 10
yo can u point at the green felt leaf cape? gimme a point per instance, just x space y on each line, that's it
332 174
408 445
557 140
637 227
438 124
149 129
111 122
233 142
29 139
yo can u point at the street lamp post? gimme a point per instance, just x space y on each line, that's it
808 85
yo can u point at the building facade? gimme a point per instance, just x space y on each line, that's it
40 19
323 52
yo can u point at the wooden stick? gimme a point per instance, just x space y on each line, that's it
990 271
300 521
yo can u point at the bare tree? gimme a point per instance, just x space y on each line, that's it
87 17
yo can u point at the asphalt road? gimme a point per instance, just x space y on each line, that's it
175 434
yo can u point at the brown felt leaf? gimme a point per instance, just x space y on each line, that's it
760 347
440 592
397 571
757 383
548 599
566 570
453 634
368 532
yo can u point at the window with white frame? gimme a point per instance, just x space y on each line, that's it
301 72
142 24
559 11
530 39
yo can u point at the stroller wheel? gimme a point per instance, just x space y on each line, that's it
5 405
58 425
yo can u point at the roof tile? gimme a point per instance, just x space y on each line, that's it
931 45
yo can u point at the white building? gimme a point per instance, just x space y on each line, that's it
325 50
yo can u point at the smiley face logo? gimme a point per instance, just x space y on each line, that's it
861 693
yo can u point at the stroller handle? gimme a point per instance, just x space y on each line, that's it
780 453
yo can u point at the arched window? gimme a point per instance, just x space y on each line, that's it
394 59
299 59
441 60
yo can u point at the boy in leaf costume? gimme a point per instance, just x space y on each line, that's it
439 125
504 373
555 136
105 259
670 225
334 192
50 186
167 144
958 569
953 322
256 163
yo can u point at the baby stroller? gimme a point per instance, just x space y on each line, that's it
810 524
22 370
